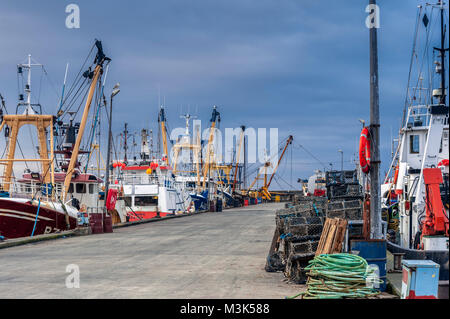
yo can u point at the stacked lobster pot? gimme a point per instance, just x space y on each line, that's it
297 234
350 209
345 196
343 185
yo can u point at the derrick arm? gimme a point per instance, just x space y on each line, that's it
288 142
100 59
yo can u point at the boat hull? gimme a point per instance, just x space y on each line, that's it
17 219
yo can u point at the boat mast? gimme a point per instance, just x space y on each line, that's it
100 59
206 169
28 105
442 50
125 144
162 120
375 209
29 117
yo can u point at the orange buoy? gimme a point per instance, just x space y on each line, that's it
364 150
396 175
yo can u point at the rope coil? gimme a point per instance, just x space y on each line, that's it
337 276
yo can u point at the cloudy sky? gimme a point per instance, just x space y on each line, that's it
299 65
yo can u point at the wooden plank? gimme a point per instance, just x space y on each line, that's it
340 235
323 237
330 239
333 235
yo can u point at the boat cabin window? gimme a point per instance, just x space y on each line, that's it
80 188
70 188
145 200
414 146
91 188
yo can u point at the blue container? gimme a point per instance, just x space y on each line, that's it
374 252
259 200
420 279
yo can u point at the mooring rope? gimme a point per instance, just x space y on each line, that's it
337 276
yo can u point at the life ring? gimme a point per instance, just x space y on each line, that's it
364 150
111 199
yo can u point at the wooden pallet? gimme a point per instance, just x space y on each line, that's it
332 238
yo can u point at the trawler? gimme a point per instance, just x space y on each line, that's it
147 186
207 180
49 200
415 193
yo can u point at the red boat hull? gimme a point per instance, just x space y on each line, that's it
17 220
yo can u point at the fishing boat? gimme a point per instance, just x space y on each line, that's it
147 190
415 193
48 200
147 187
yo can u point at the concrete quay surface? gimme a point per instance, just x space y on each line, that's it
212 255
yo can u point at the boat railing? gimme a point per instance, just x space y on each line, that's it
418 113
133 179
421 114
95 210
32 189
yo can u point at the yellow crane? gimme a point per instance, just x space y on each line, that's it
264 190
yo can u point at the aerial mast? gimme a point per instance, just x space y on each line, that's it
442 50
27 104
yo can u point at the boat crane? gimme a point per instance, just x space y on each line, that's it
94 75
264 190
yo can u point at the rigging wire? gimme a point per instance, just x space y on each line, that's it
310 154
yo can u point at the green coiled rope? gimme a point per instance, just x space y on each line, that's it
338 276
